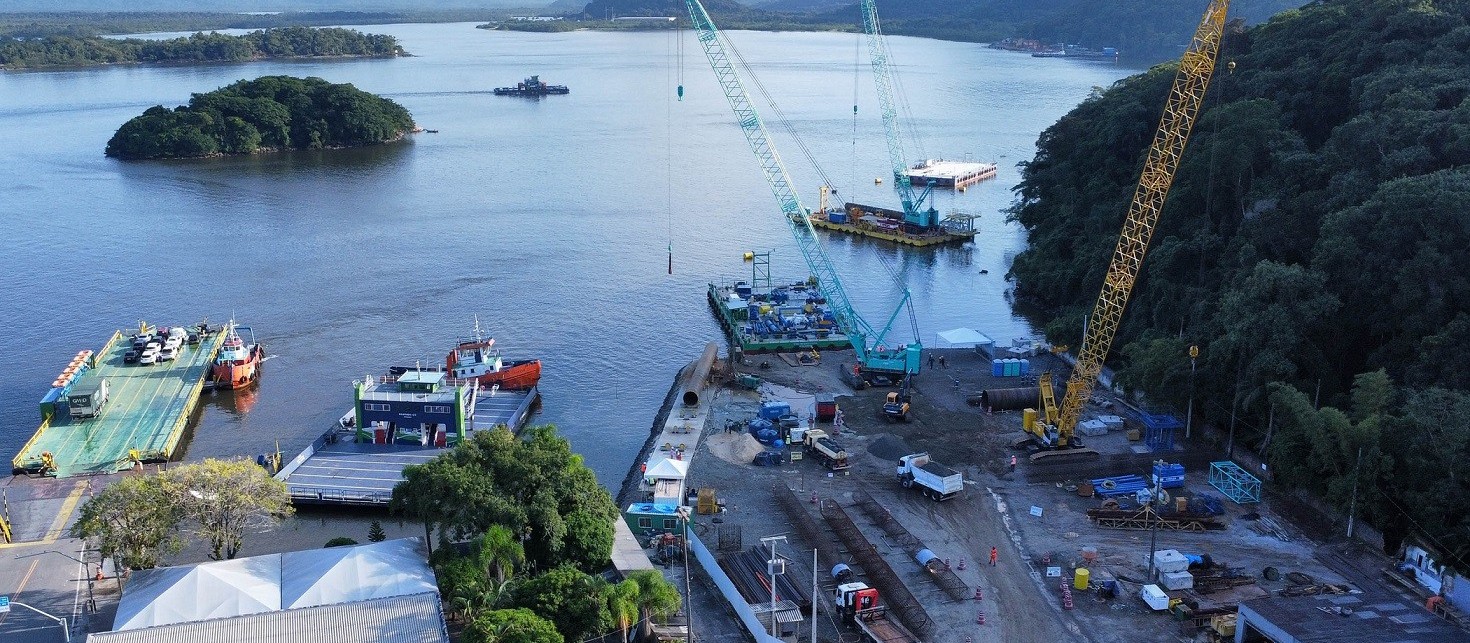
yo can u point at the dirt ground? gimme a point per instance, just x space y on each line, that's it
1020 602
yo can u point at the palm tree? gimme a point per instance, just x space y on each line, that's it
622 603
500 552
655 596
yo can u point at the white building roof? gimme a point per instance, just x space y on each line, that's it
668 468
273 582
401 619
964 337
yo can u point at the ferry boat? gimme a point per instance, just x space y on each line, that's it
532 87
238 363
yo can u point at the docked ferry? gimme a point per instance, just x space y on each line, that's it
238 363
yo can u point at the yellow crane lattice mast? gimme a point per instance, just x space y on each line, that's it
1188 92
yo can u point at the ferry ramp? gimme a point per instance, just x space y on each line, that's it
147 410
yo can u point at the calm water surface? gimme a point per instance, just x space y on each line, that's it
549 220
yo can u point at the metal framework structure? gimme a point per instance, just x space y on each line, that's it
1180 111
1236 483
872 353
1145 518
914 211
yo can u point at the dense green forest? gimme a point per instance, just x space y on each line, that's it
284 42
1314 246
1145 30
268 113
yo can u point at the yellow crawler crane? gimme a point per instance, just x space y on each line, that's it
1180 111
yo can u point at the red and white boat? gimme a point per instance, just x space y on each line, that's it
479 360
237 364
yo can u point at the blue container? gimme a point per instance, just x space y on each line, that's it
837 217
1025 367
774 410
997 368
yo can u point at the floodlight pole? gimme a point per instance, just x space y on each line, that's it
65 631
771 571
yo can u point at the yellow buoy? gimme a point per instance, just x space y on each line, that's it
749 256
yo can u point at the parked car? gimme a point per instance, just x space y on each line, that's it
173 342
167 354
148 358
193 339
131 357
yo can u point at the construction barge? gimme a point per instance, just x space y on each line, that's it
404 418
108 411
789 318
951 175
533 87
888 225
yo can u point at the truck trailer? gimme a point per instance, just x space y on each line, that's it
825 449
859 605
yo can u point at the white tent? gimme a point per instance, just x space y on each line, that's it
200 592
274 582
347 574
668 469
963 338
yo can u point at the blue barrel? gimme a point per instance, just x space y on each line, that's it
997 368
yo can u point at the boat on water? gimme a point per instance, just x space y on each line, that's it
238 363
478 359
532 87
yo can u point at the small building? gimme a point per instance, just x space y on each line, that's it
1345 618
665 480
418 407
1423 566
647 518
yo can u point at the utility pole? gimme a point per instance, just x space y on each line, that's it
771 572
815 601
1353 506
1153 536
65 631
688 588
1189 415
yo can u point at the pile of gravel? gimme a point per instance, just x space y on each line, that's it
890 447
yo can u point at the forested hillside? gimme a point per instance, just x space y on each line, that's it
268 113
1316 246
284 42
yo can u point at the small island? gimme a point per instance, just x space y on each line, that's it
270 113
60 50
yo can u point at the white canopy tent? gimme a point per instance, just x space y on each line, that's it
963 338
274 582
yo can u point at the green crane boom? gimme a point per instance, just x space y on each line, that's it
872 354
914 211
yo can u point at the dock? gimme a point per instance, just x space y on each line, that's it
147 410
342 468
952 175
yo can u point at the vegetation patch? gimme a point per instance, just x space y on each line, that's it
67 50
266 114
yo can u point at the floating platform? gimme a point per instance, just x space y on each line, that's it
887 225
755 323
144 417
337 470
951 175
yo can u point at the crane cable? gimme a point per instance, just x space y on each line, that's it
780 114
675 61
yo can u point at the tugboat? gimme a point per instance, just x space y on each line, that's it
478 359
532 87
238 363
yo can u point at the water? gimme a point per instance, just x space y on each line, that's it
549 220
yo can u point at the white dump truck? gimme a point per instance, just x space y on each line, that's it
824 449
938 482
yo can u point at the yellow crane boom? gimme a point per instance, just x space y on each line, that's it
1188 92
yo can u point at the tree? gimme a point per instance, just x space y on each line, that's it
224 499
656 596
576 602
376 533
499 552
340 541
134 521
517 625
536 488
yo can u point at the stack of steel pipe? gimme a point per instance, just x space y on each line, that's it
900 601
747 570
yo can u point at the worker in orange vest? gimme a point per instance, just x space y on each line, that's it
994 554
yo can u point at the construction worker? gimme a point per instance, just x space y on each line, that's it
994 554
1013 463
931 361
941 362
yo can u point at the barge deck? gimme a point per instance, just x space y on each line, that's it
338 470
733 312
144 418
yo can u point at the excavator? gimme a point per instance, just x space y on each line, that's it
1055 430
